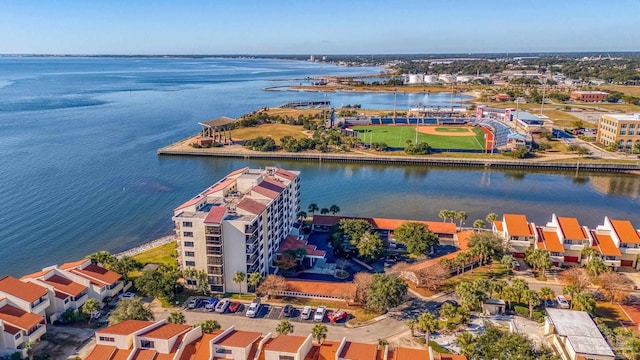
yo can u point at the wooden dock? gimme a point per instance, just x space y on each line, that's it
411 160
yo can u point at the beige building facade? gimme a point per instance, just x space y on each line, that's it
623 128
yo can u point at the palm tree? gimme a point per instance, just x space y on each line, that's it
507 262
451 214
334 209
461 260
443 215
491 217
302 215
324 211
411 324
546 293
588 253
479 223
254 279
510 294
447 263
209 326
631 348
313 208
532 299
382 343
284 327
428 323
496 287
584 302
176 317
461 216
29 344
90 307
571 290
239 278
319 332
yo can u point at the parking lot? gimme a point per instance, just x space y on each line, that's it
267 311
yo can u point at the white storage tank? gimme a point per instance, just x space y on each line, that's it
415 78
430 79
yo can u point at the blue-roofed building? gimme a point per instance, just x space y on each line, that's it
528 121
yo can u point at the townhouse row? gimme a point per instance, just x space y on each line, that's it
617 242
136 340
29 303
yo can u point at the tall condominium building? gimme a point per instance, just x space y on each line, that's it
623 128
237 224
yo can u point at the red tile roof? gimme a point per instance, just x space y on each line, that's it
359 351
75 264
240 339
605 245
626 232
199 349
101 352
251 206
273 184
463 239
291 242
517 225
219 186
571 229
239 171
386 224
326 351
36 275
550 242
286 174
98 273
215 215
498 225
286 343
188 203
126 327
19 318
144 354
26 291
65 285
166 331
321 287
402 353
121 354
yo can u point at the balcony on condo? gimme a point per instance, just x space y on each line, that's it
575 244
39 305
613 261
36 332
628 248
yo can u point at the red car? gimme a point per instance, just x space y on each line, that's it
234 306
337 315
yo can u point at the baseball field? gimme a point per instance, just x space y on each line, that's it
438 137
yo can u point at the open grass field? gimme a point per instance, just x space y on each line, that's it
444 137
274 131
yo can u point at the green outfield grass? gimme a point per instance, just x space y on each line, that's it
395 136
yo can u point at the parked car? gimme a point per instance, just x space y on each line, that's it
211 304
222 305
516 265
234 306
319 315
306 312
562 302
254 308
127 295
193 303
549 303
287 311
337 315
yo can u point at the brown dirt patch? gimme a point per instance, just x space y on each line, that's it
431 130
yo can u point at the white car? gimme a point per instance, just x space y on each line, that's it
562 302
254 308
222 305
319 315
306 312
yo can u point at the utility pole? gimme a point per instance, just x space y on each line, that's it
395 93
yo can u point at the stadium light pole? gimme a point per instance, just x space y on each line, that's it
395 93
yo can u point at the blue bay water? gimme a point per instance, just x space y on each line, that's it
79 170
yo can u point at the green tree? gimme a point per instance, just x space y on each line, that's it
448 311
485 245
478 223
501 345
90 307
200 277
461 216
29 346
461 261
491 217
284 327
302 215
531 298
416 237
538 259
125 265
495 287
443 214
507 262
584 302
334 209
155 283
385 292
447 263
239 278
176 317
596 266
254 280
471 296
319 333
428 323
313 207
103 258
354 229
451 215
324 211
631 349
209 326
272 285
370 246
130 309
546 293
571 290
511 294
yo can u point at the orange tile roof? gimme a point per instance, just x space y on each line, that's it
286 343
144 354
498 225
216 215
65 285
438 227
291 242
190 202
450 357
550 241
26 291
517 225
402 353
240 338
101 352
166 331
430 262
95 272
286 174
606 246
251 206
626 232
326 351
19 318
122 354
359 351
125 328
254 348
239 171
274 184
463 239
321 287
36 275
571 229
219 186
67 266
199 349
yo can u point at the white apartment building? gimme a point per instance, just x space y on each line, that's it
237 224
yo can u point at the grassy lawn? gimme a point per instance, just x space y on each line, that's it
159 255
491 271
611 314
274 131
396 136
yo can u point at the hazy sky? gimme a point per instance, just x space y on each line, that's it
317 27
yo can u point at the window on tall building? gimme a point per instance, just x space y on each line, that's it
190 263
189 253
188 243
187 234
187 224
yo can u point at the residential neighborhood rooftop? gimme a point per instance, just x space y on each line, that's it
26 291
580 330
